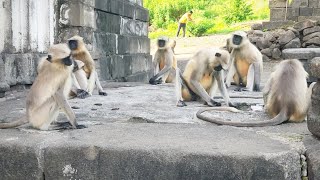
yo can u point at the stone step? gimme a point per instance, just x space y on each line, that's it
146 151
301 53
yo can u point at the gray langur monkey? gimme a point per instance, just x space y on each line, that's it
202 76
286 97
246 63
49 91
85 75
164 62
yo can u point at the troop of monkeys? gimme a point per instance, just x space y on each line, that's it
69 70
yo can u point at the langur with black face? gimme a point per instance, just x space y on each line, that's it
164 62
85 76
202 77
246 63
286 97
49 92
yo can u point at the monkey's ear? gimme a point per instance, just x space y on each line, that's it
49 58
218 55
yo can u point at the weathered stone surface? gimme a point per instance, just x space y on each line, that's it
4 86
306 11
310 36
267 52
313 41
312 46
142 14
271 25
301 53
105 43
315 67
311 30
283 3
313 18
133 27
279 14
286 37
257 26
132 45
110 6
297 33
276 53
265 58
316 12
108 22
314 3
295 43
313 156
77 14
300 26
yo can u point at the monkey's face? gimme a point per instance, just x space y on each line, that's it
237 39
162 43
73 44
67 61
220 61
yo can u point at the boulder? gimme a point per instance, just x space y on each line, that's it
295 43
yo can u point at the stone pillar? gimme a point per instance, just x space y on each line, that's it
314 111
115 32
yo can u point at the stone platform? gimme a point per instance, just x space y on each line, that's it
137 132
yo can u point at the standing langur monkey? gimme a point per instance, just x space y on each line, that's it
246 63
164 62
202 76
86 74
286 96
49 91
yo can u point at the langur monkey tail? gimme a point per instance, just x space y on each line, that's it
19 122
280 118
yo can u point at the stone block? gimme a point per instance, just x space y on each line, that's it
128 10
279 14
314 3
300 26
295 43
313 41
86 2
133 45
120 67
310 36
286 37
105 68
142 14
313 157
271 25
77 14
140 77
19 162
315 67
276 53
109 23
257 26
316 12
110 6
311 30
105 43
313 18
4 86
133 27
283 3
301 53
140 62
306 11
267 52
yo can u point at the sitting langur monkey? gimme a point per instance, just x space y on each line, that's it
286 96
202 76
246 63
49 91
164 62
85 76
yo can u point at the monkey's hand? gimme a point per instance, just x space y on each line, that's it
81 126
82 94
212 103
181 103
235 105
102 93
154 81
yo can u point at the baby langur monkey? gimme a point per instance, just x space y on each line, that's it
202 76
164 62
286 96
85 76
246 63
49 91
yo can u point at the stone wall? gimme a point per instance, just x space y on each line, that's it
115 32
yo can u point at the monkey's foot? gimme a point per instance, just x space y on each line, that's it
155 81
235 105
82 94
67 125
240 89
102 93
181 103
